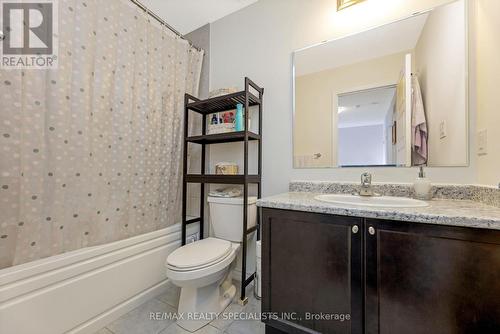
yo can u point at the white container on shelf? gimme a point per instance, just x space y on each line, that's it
220 128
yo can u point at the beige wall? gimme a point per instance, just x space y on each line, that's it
488 95
316 103
440 60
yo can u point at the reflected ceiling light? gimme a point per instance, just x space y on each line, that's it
342 4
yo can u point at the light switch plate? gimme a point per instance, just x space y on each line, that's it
482 142
443 131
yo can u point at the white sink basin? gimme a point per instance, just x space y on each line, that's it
373 201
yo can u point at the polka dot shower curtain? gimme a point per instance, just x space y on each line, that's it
91 152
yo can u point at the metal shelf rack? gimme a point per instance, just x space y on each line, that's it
205 108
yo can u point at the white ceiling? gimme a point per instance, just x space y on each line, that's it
188 15
365 108
389 39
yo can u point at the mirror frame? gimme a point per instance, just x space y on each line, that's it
468 89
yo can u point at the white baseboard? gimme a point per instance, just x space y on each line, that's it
80 292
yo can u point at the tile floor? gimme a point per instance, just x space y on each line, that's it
138 320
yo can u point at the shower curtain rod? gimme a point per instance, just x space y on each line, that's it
159 19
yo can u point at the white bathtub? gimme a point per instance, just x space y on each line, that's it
83 290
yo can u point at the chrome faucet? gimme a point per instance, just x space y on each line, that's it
366 185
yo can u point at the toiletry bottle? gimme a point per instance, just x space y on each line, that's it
227 116
238 121
422 186
214 120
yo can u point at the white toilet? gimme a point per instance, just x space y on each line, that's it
202 269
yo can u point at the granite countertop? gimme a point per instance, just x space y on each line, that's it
465 213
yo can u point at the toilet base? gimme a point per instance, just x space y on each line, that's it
199 306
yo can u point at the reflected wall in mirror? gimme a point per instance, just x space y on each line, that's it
365 127
395 95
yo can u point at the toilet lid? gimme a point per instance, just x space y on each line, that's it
199 253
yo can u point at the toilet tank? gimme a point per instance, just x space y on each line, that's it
226 216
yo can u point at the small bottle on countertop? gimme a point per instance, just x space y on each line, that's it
422 186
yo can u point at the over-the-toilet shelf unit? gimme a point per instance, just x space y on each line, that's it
206 108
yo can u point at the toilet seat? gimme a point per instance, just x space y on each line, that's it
199 254
182 274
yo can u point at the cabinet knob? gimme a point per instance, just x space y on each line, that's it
355 229
371 230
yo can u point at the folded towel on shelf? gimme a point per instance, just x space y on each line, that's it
226 192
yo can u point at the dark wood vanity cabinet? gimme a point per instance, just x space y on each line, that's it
312 269
424 278
389 276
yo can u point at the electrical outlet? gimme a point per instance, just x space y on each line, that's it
482 142
192 238
443 131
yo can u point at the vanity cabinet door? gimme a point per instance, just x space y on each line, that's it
431 279
312 269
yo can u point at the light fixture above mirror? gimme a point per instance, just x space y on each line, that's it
342 4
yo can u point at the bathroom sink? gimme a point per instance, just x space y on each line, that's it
372 201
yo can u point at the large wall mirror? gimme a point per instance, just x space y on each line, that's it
396 95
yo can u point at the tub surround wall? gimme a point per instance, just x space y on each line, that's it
483 194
